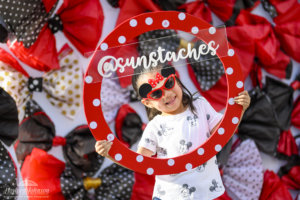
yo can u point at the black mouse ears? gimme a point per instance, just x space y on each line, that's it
166 71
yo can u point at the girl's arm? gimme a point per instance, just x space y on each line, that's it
242 99
145 152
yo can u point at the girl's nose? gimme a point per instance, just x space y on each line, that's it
166 93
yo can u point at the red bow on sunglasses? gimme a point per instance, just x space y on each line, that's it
154 82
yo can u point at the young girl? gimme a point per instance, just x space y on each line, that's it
178 124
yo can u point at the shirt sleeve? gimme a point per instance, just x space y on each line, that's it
212 116
149 140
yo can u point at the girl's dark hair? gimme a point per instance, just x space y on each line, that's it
187 97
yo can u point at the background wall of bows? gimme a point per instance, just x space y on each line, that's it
264 37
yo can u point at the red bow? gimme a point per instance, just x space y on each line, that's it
273 188
287 31
154 82
82 24
287 144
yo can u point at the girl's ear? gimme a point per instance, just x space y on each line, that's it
147 103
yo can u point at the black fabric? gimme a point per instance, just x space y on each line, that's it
283 170
25 19
132 128
167 70
169 4
223 155
281 95
117 183
9 122
260 122
114 3
238 6
269 8
208 69
3 31
35 84
8 178
144 90
36 130
268 115
55 24
165 38
79 152
133 96
72 186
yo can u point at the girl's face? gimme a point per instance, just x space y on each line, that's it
171 101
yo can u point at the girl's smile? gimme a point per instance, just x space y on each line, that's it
170 101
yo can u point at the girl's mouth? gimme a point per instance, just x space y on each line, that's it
171 102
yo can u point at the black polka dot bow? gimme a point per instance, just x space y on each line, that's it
62 87
116 183
26 18
208 69
150 41
80 21
8 176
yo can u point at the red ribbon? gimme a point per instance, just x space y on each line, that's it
154 82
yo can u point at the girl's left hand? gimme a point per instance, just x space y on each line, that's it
243 99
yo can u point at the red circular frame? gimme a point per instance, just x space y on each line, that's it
132 28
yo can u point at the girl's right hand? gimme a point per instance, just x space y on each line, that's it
102 147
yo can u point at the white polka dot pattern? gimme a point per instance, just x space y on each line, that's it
117 183
8 179
243 173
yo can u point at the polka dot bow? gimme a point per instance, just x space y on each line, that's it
8 176
36 22
154 82
63 87
243 173
114 182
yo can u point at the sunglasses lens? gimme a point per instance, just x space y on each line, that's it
170 83
156 94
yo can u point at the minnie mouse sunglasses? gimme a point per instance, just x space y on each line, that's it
158 93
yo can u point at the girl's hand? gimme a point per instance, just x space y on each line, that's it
243 99
102 147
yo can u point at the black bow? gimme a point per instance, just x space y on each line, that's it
114 182
8 118
268 114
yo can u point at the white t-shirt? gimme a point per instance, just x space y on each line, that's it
174 135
